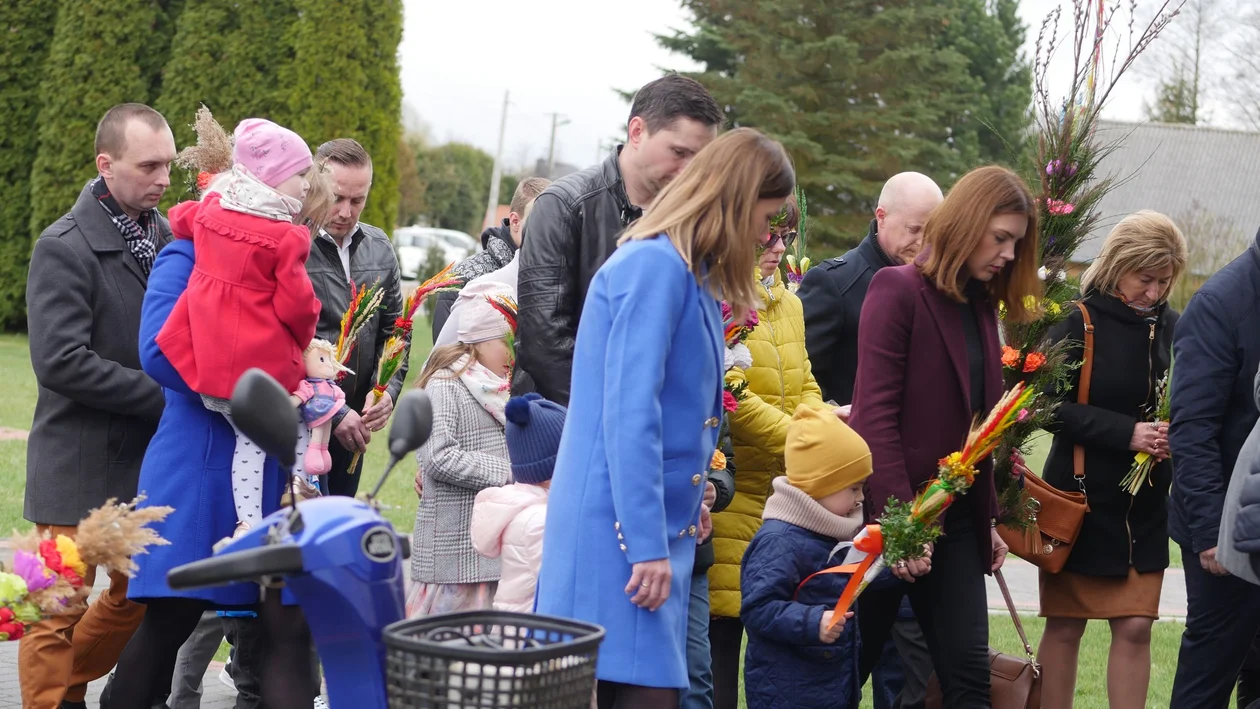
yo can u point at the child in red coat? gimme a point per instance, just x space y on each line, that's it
249 302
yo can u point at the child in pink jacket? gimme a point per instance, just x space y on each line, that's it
507 522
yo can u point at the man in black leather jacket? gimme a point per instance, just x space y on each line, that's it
346 250
832 292
575 222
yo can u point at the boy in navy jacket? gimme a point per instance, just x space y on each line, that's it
793 660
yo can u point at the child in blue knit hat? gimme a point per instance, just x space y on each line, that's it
507 522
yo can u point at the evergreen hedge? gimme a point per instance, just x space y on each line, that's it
343 83
98 53
22 54
227 55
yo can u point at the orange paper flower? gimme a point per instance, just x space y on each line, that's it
1010 356
718 462
1034 361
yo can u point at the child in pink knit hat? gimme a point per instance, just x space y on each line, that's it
249 302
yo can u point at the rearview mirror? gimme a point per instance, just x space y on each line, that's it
262 410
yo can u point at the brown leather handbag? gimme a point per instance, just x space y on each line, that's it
1014 682
1058 515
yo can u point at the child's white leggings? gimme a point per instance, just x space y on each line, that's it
247 477
247 472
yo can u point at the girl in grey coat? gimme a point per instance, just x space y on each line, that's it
469 386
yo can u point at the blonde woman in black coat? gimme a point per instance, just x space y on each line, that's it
1117 566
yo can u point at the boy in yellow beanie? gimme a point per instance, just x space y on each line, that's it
793 659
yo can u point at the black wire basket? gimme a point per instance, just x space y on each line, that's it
481 659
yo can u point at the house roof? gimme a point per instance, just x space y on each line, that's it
1168 168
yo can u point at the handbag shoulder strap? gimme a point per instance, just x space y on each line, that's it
1082 392
1019 626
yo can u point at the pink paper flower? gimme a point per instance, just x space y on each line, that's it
32 570
1059 207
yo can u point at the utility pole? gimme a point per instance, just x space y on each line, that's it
556 122
496 175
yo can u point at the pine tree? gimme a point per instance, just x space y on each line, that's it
858 92
22 56
343 83
98 53
227 55
989 33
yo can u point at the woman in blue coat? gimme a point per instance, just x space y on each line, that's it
187 467
625 511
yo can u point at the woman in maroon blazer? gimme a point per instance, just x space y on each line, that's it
928 363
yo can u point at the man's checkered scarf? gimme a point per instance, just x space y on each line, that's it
142 237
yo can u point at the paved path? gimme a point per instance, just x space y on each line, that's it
1021 578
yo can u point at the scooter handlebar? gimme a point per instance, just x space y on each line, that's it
270 560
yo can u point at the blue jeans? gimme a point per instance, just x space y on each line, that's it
699 661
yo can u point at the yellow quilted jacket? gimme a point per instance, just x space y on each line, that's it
778 380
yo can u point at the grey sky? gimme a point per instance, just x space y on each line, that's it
567 56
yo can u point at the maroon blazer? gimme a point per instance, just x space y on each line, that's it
911 400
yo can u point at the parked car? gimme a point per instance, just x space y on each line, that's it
413 244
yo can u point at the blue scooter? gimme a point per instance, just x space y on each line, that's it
338 556
342 562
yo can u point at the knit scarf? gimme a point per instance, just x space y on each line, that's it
141 236
244 193
489 389
788 504
1144 312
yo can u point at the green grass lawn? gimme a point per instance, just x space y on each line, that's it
1091 675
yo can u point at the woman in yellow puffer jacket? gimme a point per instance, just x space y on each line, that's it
778 380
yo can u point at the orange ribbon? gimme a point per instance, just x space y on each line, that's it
873 545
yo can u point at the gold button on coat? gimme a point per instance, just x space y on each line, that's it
712 422
695 479
692 530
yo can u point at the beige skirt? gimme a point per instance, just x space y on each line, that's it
1071 595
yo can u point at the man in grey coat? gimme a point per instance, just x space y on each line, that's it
96 409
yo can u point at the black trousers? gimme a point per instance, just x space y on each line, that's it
340 480
1222 618
282 654
726 647
952 608
1249 677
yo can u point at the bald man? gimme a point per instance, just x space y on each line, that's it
832 292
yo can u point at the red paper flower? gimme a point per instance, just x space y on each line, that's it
6 615
14 630
203 180
729 402
52 558
71 577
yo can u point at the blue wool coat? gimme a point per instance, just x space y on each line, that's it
189 461
628 484
786 665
